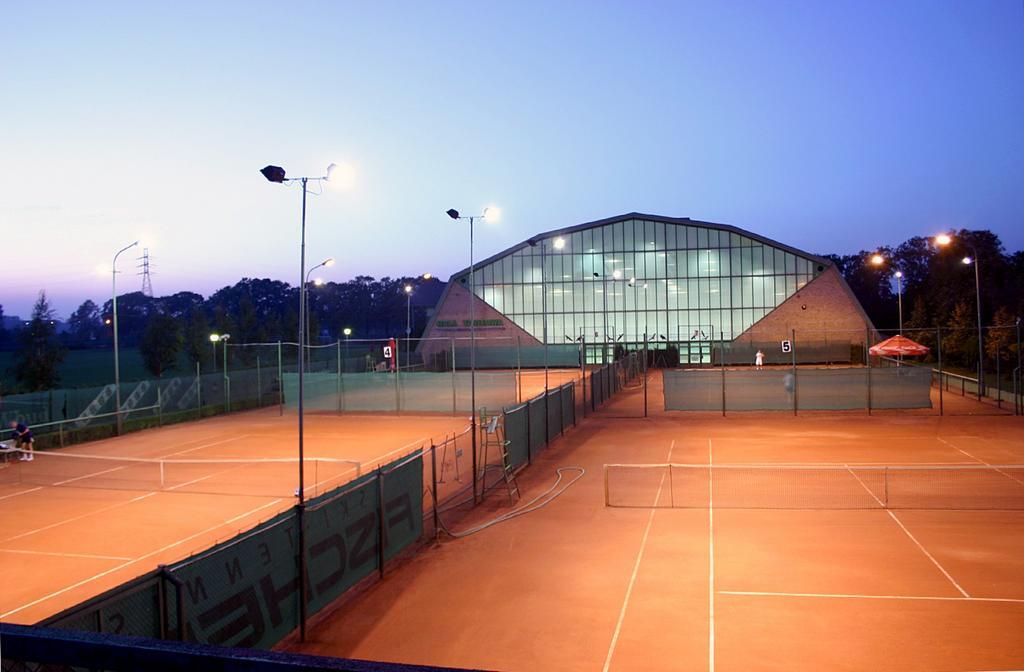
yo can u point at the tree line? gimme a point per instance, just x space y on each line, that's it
165 329
938 290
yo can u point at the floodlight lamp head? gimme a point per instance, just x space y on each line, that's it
225 337
347 331
492 213
214 338
273 173
330 171
899 274
968 261
408 289
943 239
328 262
877 260
453 213
428 276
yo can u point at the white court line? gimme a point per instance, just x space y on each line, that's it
65 555
976 459
138 559
853 596
380 458
205 445
97 473
23 492
912 538
636 568
711 563
78 517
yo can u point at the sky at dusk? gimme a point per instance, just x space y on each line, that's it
831 126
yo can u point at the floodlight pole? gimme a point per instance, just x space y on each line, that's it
117 362
454 214
277 174
977 291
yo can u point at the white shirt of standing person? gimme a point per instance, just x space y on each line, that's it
759 359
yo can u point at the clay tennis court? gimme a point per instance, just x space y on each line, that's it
72 528
75 526
578 585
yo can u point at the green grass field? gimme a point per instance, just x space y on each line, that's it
91 368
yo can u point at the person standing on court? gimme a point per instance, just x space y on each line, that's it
759 360
23 440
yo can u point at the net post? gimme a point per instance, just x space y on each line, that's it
999 387
159 407
398 373
938 350
792 350
60 432
162 475
867 360
338 344
885 487
380 520
280 380
606 485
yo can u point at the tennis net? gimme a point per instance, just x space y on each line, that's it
808 486
273 477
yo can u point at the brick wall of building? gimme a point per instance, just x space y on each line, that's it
452 321
823 305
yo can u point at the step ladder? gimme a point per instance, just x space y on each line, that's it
494 438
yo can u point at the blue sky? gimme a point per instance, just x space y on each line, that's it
831 126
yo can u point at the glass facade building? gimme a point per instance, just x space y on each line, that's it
616 281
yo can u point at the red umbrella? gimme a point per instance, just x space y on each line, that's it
898 345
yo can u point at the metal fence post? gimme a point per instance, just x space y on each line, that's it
339 375
867 360
938 351
398 382
199 391
380 520
433 488
792 349
159 406
259 384
721 356
280 380
583 371
455 406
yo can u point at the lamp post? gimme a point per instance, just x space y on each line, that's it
227 381
277 174
878 260
945 239
454 214
328 262
408 320
117 362
214 339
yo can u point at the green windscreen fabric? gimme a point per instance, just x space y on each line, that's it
244 591
513 357
901 387
535 408
805 388
693 390
424 391
554 400
516 433
134 608
568 406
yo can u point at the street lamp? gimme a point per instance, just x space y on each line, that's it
945 239
317 282
214 339
117 361
277 174
878 260
408 320
227 381
491 213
